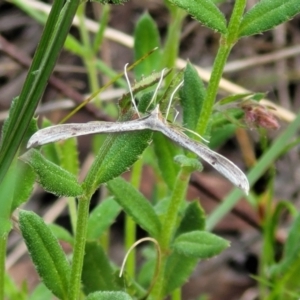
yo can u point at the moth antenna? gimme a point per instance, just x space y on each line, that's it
158 86
171 98
130 90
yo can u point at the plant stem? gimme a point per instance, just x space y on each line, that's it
73 212
212 88
130 226
226 43
3 241
89 58
169 225
100 33
170 52
79 247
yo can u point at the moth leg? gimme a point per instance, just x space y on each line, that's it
130 90
171 98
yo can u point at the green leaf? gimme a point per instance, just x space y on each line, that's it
267 14
165 151
204 11
61 233
7 192
199 244
193 219
46 253
109 296
25 179
102 217
192 96
178 269
97 274
135 205
146 38
52 177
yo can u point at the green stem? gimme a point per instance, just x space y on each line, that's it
103 24
72 212
130 236
79 248
226 43
130 226
171 47
169 225
89 58
212 88
3 241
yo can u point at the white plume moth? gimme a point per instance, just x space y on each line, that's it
155 122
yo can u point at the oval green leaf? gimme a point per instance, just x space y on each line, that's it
102 217
267 14
97 273
46 253
204 11
135 205
192 96
146 38
52 178
199 244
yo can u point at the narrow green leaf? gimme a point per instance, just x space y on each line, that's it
146 38
55 32
267 14
193 219
135 205
7 192
46 253
178 269
102 217
204 11
25 179
199 244
97 274
109 296
192 96
61 233
165 152
52 177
